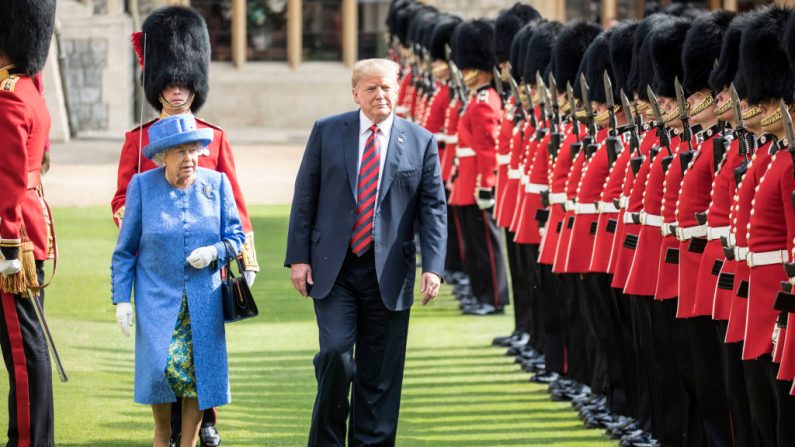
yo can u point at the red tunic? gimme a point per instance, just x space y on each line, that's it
510 188
527 226
529 145
451 117
608 219
573 181
435 117
476 152
405 94
505 136
24 135
561 166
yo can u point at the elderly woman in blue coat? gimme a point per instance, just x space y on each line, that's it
169 251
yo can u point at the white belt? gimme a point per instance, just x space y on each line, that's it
650 219
740 253
401 109
623 201
628 218
535 188
463 152
568 205
665 229
606 207
503 159
585 208
685 234
557 197
451 139
514 174
732 239
440 137
767 258
717 232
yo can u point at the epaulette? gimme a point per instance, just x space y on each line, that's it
144 125
9 84
483 95
208 124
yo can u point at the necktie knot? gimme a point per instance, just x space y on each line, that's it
374 129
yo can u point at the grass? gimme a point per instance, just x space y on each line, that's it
458 391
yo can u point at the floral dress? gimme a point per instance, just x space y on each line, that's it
180 371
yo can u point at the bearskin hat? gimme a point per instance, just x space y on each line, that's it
789 41
474 46
26 33
702 49
538 53
620 46
442 34
417 24
508 23
427 31
177 52
763 59
519 49
403 20
729 58
391 16
569 48
666 42
641 73
595 62
686 10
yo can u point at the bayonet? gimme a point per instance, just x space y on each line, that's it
786 119
611 106
552 93
634 141
542 96
655 107
575 125
684 116
738 120
517 97
498 82
586 103
530 105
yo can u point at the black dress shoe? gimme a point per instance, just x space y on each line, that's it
504 341
209 437
483 310
544 377
173 442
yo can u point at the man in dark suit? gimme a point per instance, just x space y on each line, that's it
367 180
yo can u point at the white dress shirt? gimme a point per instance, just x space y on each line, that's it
384 128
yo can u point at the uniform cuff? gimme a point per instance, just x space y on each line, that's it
10 248
249 253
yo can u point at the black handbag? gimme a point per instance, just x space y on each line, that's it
235 295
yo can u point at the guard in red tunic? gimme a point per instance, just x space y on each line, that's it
26 239
175 69
473 190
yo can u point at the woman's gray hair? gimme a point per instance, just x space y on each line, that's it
366 68
160 157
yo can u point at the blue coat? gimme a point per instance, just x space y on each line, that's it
411 196
162 226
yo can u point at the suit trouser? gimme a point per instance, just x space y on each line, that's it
550 308
574 330
353 318
454 258
736 393
27 359
484 263
520 286
705 347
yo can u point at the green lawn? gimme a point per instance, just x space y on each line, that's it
457 391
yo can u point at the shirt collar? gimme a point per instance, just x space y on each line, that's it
384 126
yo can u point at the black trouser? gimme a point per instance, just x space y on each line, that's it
736 393
520 285
574 330
550 307
453 261
660 389
27 359
690 410
484 262
353 318
622 305
209 418
705 347
785 407
760 400
597 362
534 317
606 325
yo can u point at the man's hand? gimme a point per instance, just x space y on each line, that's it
9 267
301 275
429 286
124 317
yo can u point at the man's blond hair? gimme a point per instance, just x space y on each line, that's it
366 68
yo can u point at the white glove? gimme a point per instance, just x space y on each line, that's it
484 197
124 317
250 275
202 256
9 267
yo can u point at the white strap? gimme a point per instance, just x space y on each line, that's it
585 208
514 174
717 232
557 197
665 229
451 139
536 188
651 220
687 233
524 179
440 137
569 205
740 253
767 258
401 109
606 207
463 152
503 159
628 218
623 201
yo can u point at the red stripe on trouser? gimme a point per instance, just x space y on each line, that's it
20 368
491 260
459 236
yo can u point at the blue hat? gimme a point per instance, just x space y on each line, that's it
173 131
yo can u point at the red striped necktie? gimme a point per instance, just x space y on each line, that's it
362 234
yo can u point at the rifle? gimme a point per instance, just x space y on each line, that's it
634 142
742 135
517 97
575 126
589 141
684 116
613 144
498 85
530 106
662 133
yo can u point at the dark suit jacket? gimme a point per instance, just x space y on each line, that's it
324 207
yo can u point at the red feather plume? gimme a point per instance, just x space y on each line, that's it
138 46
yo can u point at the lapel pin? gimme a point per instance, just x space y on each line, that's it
208 191
400 140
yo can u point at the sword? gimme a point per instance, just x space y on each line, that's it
683 113
47 335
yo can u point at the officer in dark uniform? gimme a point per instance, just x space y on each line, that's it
26 239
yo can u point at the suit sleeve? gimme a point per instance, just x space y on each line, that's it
125 256
128 165
304 207
226 165
485 125
432 213
14 129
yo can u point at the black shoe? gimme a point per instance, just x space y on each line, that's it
209 437
484 309
504 341
173 442
544 377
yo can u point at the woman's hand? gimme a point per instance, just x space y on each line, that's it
202 257
124 317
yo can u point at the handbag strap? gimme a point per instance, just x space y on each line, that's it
230 249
